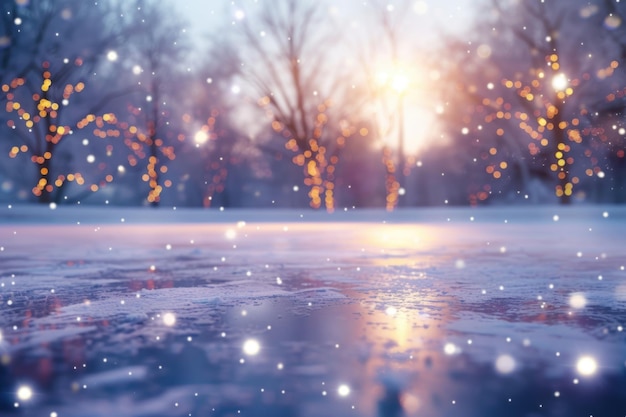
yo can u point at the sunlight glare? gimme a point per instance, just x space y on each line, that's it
420 7
400 83
391 311
382 78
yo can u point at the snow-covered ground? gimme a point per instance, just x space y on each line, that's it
440 312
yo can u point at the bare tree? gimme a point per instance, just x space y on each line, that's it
54 31
387 87
217 147
155 53
52 50
290 58
609 113
530 84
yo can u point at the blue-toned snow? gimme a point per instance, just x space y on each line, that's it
437 312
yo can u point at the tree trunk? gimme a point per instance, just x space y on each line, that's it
46 196
563 175
154 149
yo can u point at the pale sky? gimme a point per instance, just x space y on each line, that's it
206 15
452 15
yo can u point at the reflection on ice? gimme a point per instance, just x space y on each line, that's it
391 311
359 319
230 234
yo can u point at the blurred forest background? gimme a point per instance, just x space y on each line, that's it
294 103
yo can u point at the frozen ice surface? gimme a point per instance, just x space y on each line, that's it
440 312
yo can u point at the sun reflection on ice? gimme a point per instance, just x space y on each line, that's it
391 311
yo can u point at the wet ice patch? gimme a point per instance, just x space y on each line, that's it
188 302
38 338
159 312
113 377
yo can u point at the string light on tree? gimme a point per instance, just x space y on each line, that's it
553 130
39 116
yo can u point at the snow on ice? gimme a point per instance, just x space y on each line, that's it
494 311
